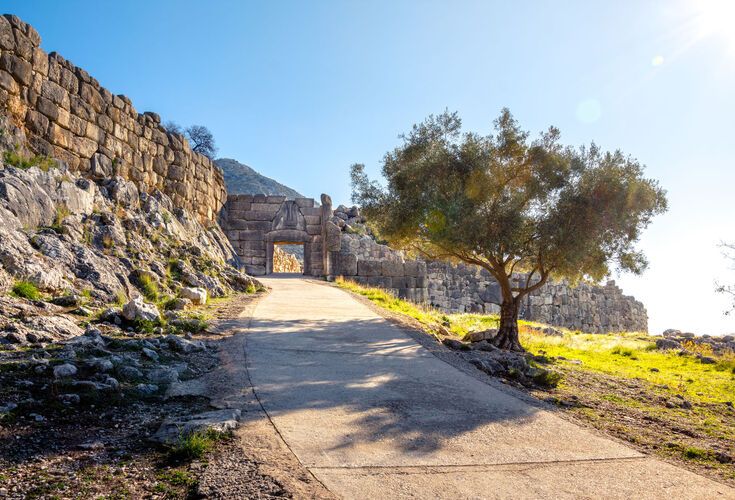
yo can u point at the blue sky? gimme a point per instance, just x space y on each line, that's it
300 90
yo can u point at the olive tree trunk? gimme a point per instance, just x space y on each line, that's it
507 337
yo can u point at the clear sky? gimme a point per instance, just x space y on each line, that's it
300 90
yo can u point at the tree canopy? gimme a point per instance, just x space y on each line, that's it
199 136
511 205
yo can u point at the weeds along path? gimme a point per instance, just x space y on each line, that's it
374 414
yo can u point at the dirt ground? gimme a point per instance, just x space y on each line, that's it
100 448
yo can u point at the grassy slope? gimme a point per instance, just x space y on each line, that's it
621 384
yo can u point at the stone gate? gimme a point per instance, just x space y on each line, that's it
254 224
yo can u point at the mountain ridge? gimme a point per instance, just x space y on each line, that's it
243 179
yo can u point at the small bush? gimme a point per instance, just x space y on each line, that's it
251 288
148 287
695 348
62 212
195 445
194 324
693 453
26 290
149 326
17 160
121 298
547 378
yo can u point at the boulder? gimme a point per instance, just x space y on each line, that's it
138 309
65 370
197 295
489 366
219 420
664 344
183 345
481 335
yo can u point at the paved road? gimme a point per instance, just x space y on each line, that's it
375 415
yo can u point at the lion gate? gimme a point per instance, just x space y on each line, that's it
254 224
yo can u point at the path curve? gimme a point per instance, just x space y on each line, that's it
372 414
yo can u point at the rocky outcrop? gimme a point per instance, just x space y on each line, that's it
66 114
83 245
284 262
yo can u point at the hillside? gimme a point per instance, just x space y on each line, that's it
241 179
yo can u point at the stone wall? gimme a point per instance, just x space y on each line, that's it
593 309
66 114
254 223
367 262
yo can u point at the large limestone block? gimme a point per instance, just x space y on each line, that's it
368 268
392 268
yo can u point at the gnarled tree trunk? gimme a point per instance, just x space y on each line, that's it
507 337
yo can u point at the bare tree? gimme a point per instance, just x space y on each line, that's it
173 128
729 253
202 140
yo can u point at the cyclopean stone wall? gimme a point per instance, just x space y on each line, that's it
67 115
367 262
593 309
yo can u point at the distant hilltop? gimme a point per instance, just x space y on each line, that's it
241 179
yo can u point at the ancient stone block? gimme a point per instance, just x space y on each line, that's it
305 202
21 69
368 268
314 211
313 219
36 122
275 199
265 207
259 215
343 264
392 268
92 97
7 40
314 229
8 83
251 235
23 46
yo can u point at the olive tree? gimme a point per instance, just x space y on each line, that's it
525 210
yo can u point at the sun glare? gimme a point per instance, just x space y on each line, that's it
716 18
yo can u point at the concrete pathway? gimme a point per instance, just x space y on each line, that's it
372 414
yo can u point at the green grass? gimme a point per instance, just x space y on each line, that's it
195 445
17 160
251 288
25 290
148 287
177 477
121 298
196 323
459 324
624 355
633 355
62 212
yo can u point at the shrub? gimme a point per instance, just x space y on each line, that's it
194 445
62 212
194 324
26 290
148 287
251 288
121 298
17 160
547 378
